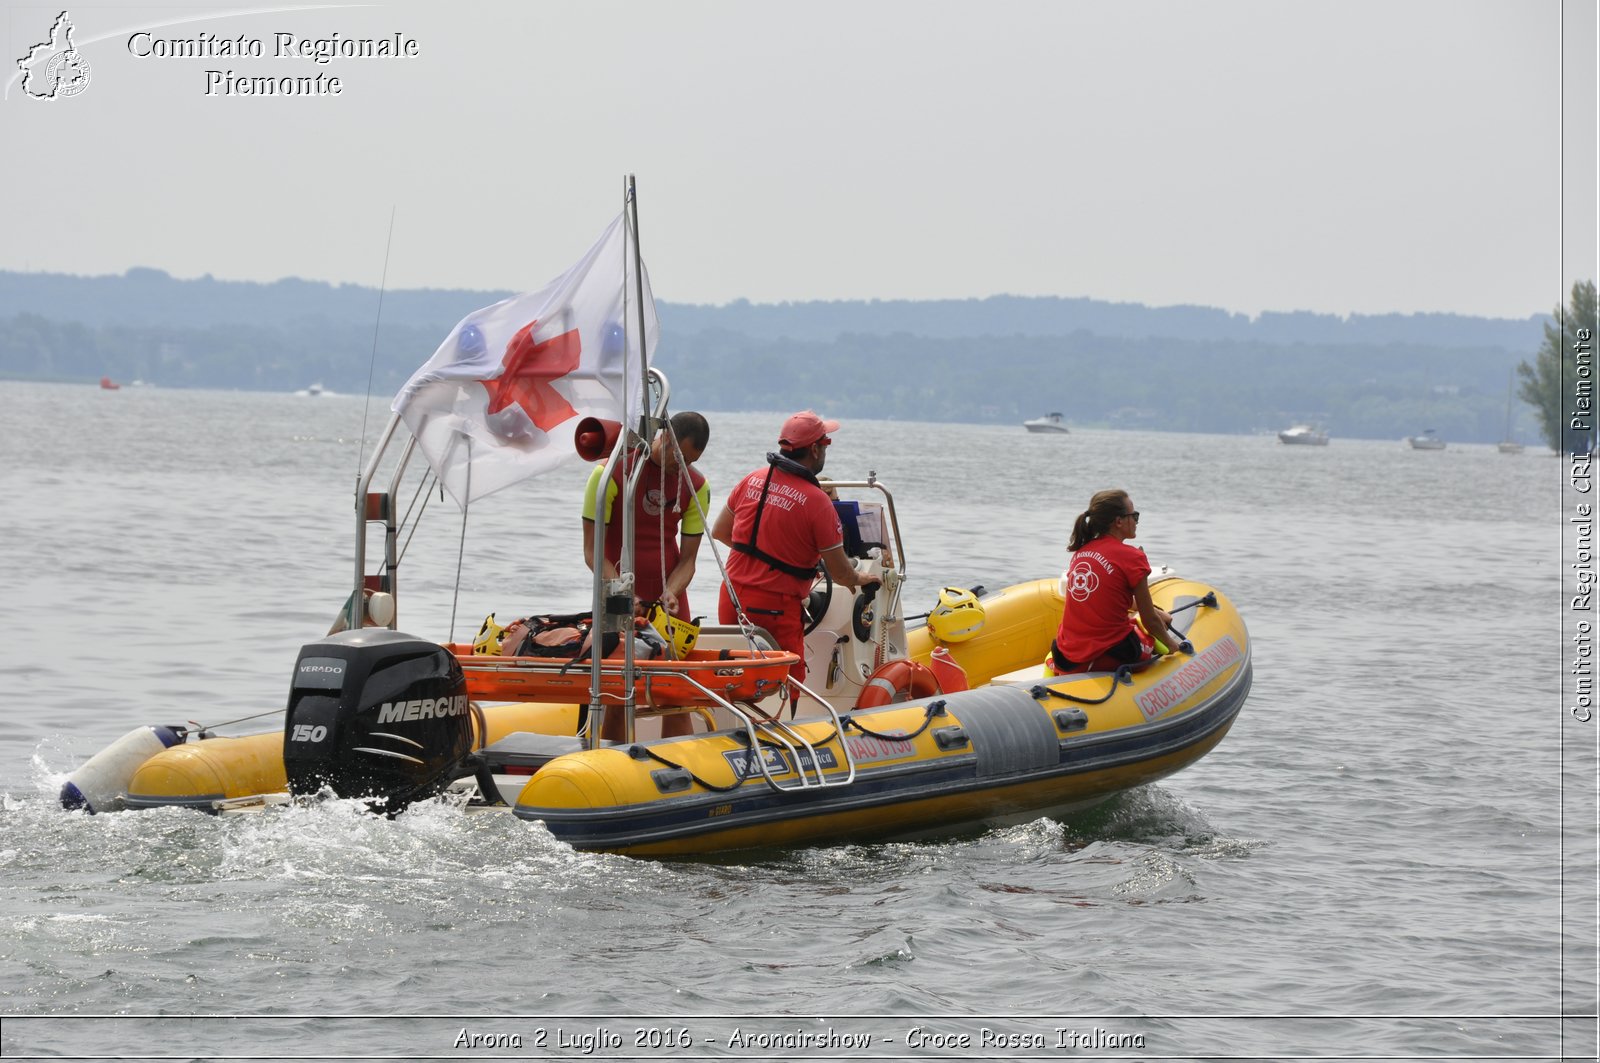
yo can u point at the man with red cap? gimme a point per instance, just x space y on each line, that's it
780 523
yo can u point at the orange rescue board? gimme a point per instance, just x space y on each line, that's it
734 675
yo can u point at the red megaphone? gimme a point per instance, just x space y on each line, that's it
595 437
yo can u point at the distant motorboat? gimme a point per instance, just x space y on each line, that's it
315 390
1509 446
1304 435
107 384
1050 422
1428 440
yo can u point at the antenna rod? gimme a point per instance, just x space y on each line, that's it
372 362
638 286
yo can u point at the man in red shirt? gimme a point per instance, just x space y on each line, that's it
669 504
669 507
780 523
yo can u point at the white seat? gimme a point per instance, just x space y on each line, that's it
1033 673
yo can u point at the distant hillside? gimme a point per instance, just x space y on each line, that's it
1013 315
151 297
998 359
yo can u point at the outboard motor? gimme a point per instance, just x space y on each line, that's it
376 713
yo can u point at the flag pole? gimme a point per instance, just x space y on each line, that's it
625 563
644 338
608 611
604 600
629 709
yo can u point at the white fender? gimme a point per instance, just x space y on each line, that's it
100 783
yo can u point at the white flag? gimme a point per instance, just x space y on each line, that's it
500 398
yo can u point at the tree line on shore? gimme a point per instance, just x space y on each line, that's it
1208 382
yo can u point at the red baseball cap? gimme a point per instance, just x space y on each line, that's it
804 429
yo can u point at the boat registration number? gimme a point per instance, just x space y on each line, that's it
864 749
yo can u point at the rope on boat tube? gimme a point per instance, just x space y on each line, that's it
932 709
743 777
1123 675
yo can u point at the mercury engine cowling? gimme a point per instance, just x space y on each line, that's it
379 714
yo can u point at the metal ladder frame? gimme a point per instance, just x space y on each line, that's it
786 736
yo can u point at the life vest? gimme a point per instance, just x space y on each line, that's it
750 549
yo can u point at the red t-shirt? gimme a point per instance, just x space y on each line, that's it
797 524
655 529
1101 578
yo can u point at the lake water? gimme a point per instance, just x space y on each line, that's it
1390 856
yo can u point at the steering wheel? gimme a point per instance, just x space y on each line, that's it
816 604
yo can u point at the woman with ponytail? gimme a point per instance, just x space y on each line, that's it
1106 580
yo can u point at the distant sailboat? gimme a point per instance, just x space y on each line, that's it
1509 445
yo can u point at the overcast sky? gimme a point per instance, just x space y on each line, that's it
1395 155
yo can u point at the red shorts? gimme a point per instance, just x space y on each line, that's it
778 613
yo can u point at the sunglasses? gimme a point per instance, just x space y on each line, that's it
1134 514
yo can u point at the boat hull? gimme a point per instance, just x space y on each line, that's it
931 794
1020 746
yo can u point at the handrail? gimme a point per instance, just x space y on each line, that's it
890 606
778 731
355 614
838 729
873 483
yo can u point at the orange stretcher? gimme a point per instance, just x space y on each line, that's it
734 675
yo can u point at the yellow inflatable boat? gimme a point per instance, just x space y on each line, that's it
1013 747
1016 745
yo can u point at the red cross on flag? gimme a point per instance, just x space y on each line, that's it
500 398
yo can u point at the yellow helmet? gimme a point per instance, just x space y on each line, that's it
957 617
489 635
680 635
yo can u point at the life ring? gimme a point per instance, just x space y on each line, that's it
898 681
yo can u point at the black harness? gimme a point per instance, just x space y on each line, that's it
750 549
